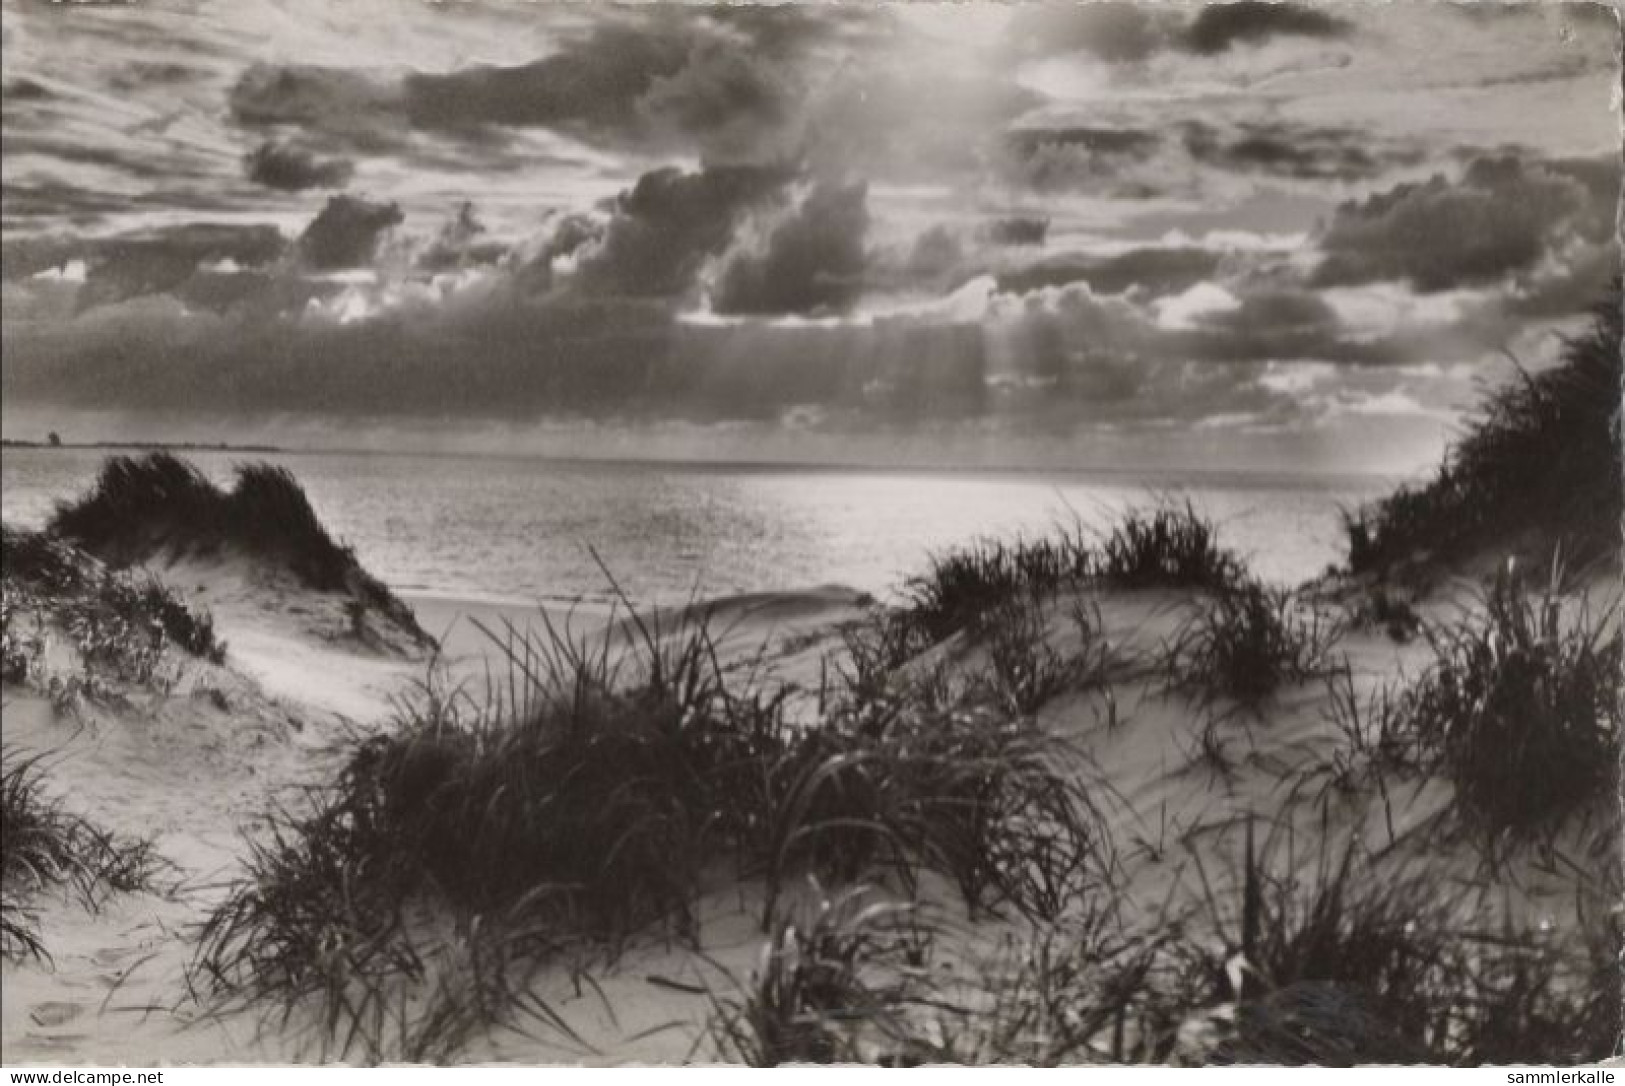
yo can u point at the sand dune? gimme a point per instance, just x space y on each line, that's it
197 775
197 766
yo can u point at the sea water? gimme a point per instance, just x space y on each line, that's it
515 529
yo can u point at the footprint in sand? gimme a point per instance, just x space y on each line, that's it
112 955
54 1013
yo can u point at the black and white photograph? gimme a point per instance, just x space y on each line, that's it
1032 533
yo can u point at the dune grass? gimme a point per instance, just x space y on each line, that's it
1327 917
1541 457
140 507
833 985
1325 957
45 848
1167 545
1164 545
1304 955
1025 668
118 624
1245 642
1520 708
962 584
1375 749
607 783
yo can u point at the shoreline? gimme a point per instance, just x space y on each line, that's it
1217 477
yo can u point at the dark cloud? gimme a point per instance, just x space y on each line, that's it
1136 142
812 260
651 80
1305 152
289 168
732 105
1077 158
1499 219
1122 31
1156 270
1130 162
24 255
346 232
148 262
725 85
936 257
1017 230
1218 27
590 87
1050 357
731 86
24 90
665 228
1274 324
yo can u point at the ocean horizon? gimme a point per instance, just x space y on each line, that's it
525 529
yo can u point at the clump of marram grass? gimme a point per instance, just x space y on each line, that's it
863 980
1309 953
1246 642
1318 962
118 625
1167 546
1520 707
1085 991
141 507
1376 745
1163 546
877 647
1025 670
1542 457
996 804
965 583
1328 959
1299 960
604 788
43 848
834 985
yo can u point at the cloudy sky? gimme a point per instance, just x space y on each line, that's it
1249 235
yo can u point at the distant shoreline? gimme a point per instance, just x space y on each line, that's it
1175 476
184 446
